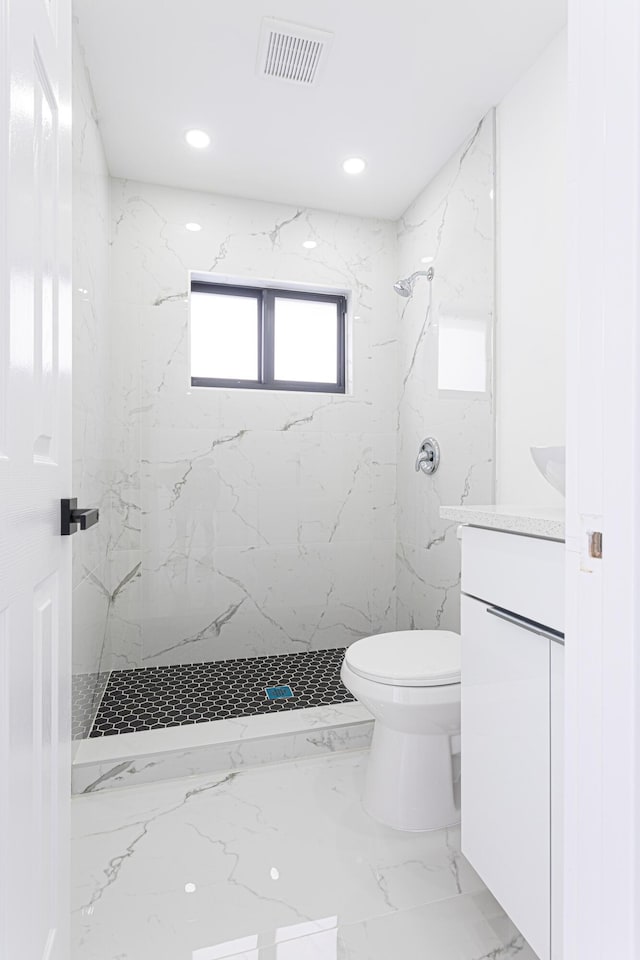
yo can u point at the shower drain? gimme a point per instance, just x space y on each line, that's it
283 692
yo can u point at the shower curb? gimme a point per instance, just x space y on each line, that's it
132 759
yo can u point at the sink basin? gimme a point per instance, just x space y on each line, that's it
550 461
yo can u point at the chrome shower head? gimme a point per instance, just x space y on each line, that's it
404 288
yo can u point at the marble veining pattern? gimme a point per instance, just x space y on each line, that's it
272 862
256 523
451 222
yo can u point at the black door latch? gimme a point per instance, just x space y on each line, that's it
71 517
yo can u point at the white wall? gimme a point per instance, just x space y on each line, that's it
531 239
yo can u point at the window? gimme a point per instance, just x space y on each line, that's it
267 339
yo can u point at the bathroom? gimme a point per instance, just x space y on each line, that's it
318 407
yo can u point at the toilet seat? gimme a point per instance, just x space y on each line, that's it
407 658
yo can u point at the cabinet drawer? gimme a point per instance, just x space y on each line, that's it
521 574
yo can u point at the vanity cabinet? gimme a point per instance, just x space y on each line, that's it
512 662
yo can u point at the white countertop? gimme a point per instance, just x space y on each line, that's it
547 522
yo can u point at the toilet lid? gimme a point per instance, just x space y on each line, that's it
408 658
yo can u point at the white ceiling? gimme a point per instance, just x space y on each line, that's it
404 83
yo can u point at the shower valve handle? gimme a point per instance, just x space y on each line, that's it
428 459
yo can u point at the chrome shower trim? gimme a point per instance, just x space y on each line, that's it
404 287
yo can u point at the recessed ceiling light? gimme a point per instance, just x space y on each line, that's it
309 244
189 888
354 165
426 260
194 227
198 139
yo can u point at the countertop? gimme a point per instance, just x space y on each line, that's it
547 522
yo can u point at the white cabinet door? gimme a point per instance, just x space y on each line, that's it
506 769
35 473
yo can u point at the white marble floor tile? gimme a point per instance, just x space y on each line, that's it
469 927
275 861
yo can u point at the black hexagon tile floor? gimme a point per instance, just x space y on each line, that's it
156 697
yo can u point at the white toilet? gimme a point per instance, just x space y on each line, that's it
410 681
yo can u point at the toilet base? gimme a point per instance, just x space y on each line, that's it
409 783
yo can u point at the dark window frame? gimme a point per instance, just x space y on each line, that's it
265 298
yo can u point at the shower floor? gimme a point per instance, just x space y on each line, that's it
155 697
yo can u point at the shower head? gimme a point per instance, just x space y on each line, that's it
404 288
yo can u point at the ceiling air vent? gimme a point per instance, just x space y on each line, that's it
292 52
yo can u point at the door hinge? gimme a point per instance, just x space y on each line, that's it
595 544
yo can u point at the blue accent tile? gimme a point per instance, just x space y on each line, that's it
282 692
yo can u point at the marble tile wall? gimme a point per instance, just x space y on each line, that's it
91 472
246 523
452 221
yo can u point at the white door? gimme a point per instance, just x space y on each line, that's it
602 653
556 719
35 418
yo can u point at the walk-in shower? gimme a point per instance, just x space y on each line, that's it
248 536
